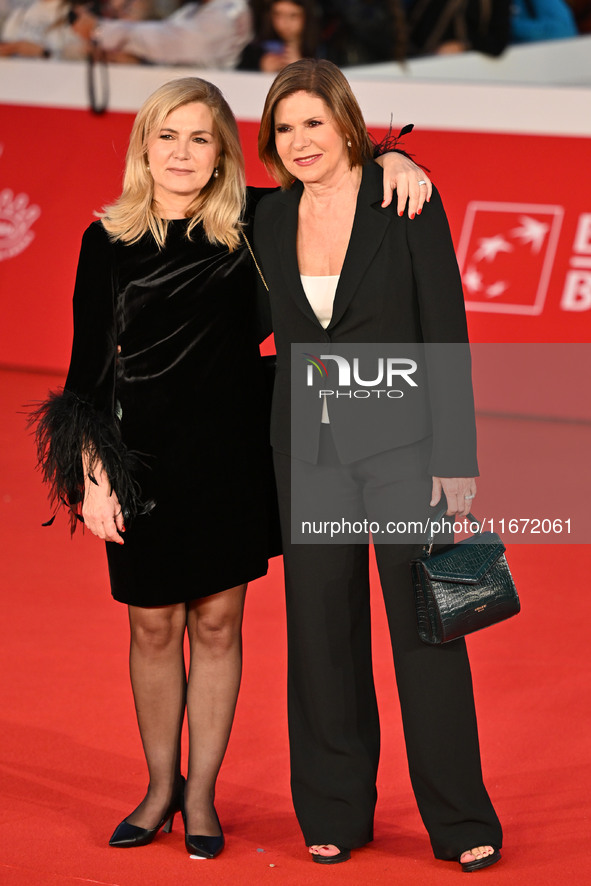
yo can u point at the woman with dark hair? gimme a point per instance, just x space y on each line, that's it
345 273
288 32
158 442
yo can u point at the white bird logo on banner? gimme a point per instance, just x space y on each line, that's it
493 256
489 248
531 231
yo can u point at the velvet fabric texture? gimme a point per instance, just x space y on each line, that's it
165 356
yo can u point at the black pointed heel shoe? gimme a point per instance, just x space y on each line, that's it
479 863
204 847
126 835
342 855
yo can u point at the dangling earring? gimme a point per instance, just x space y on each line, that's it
216 172
148 166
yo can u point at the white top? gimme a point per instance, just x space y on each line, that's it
320 292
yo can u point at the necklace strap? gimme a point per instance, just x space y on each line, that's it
255 261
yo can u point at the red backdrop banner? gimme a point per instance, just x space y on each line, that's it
521 224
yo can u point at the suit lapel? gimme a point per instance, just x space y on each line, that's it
369 228
286 232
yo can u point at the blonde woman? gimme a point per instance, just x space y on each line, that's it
159 440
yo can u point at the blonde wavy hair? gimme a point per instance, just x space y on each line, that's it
219 205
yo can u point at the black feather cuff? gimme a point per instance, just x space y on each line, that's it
64 426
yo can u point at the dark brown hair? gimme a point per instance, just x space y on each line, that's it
309 38
324 80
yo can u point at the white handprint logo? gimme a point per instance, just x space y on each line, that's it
16 217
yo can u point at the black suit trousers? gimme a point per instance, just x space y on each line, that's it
333 715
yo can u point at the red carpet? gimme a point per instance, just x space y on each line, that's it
71 761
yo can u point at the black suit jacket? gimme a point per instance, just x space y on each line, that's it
400 283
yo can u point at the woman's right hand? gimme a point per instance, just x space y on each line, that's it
101 509
459 493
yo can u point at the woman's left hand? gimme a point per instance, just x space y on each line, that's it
458 491
403 176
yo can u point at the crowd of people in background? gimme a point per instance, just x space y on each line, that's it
267 35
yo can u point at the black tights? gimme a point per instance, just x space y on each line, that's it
162 692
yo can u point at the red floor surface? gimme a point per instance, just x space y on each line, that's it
71 764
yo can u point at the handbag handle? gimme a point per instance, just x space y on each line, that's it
428 546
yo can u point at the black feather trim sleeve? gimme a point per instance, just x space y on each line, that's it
64 426
391 142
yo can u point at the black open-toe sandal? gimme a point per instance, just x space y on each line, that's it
479 863
342 855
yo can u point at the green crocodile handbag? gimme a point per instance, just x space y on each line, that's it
464 588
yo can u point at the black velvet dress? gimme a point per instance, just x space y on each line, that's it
166 382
